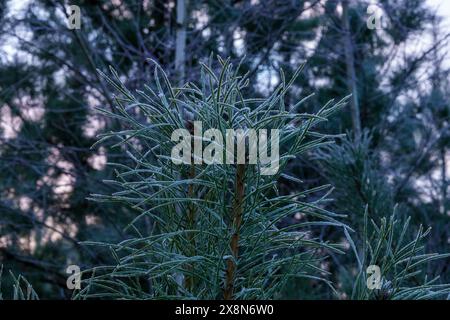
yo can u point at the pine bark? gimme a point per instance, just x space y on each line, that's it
238 208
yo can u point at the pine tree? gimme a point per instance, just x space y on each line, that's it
216 229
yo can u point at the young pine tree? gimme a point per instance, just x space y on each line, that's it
210 231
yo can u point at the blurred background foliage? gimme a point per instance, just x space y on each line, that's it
397 124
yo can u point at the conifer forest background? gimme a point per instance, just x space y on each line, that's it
362 101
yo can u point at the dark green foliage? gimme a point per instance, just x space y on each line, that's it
190 249
401 258
47 169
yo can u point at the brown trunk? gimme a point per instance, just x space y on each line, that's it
234 243
189 280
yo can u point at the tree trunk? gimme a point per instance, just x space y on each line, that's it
444 180
350 66
180 47
238 208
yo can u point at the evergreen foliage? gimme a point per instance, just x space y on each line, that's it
215 229
49 89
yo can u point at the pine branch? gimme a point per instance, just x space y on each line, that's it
236 226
